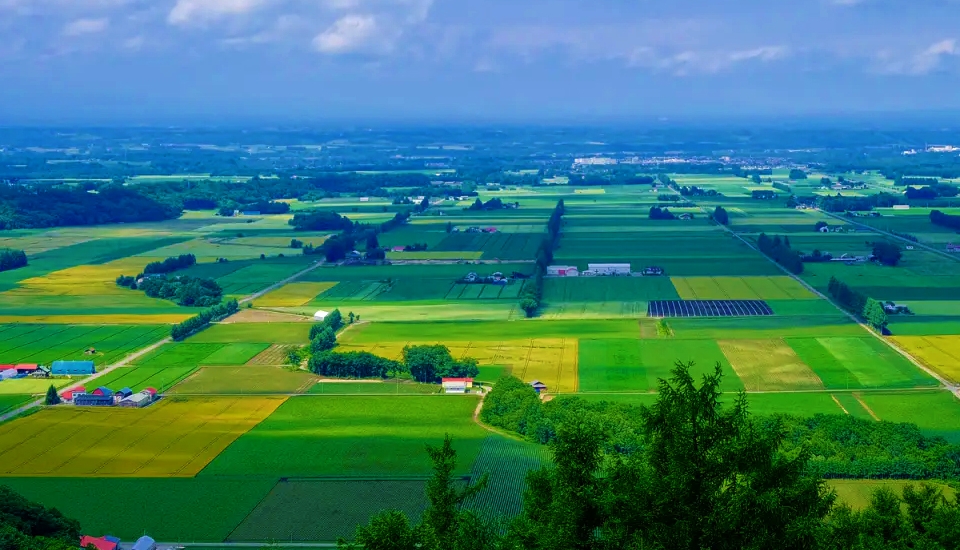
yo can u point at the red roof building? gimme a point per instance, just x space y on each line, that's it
399 248
7 367
151 391
100 543
26 368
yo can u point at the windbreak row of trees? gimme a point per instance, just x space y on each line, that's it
12 259
951 221
336 247
532 293
199 322
778 249
170 264
859 304
427 364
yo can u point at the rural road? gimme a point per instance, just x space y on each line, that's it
126 360
946 383
891 235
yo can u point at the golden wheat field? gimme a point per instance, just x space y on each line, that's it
176 437
293 294
940 353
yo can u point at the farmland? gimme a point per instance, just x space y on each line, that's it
338 451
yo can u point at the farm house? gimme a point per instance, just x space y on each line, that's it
562 271
72 368
27 368
539 386
70 395
609 269
100 543
456 385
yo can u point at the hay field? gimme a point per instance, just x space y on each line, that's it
741 288
769 365
293 294
173 438
246 380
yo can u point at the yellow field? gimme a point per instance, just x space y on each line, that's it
83 280
765 365
106 319
293 294
940 353
740 288
277 242
553 361
176 437
597 191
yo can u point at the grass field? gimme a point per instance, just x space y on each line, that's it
173 438
769 365
857 493
352 436
138 378
293 294
30 343
607 289
740 288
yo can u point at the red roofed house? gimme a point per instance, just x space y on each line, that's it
26 368
399 248
68 395
456 385
7 367
490 230
101 543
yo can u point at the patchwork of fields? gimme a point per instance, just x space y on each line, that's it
241 438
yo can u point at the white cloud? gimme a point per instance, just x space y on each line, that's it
350 33
187 12
86 26
920 63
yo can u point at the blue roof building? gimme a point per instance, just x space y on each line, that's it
72 368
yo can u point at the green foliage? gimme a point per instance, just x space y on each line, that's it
663 329
431 363
353 364
869 309
720 214
295 356
184 290
325 340
797 174
52 398
170 265
203 320
887 253
874 314
778 249
320 220
12 259
42 205
532 293
25 525
657 213
951 221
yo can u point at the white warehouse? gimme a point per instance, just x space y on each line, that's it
562 271
609 269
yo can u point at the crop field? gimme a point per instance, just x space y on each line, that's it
272 356
328 509
31 343
507 464
353 436
940 353
293 294
271 333
12 401
740 288
708 308
180 354
607 289
769 365
139 378
839 361
173 438
372 387
504 246
246 380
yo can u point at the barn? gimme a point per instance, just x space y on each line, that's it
562 271
539 386
100 543
27 368
101 397
72 368
320 315
137 400
609 269
456 385
70 395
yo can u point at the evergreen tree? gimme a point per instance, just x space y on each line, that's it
53 398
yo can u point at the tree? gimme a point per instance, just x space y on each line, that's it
295 356
887 253
529 306
26 525
720 215
875 314
797 174
756 179
334 320
324 341
820 225
53 398
350 318
372 242
296 243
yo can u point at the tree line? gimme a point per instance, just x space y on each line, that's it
170 264
12 259
951 221
203 319
26 525
720 216
426 364
532 293
338 246
858 304
779 250
687 472
44 205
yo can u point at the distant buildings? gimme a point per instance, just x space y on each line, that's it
607 269
562 271
72 368
456 385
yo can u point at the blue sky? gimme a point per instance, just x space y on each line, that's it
313 60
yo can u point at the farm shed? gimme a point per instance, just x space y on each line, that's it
100 543
456 385
27 368
539 386
69 395
320 315
93 399
609 269
562 271
124 393
8 374
137 400
144 543
72 367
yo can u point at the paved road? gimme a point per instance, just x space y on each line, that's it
86 381
946 383
277 285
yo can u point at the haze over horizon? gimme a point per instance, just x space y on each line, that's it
148 61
